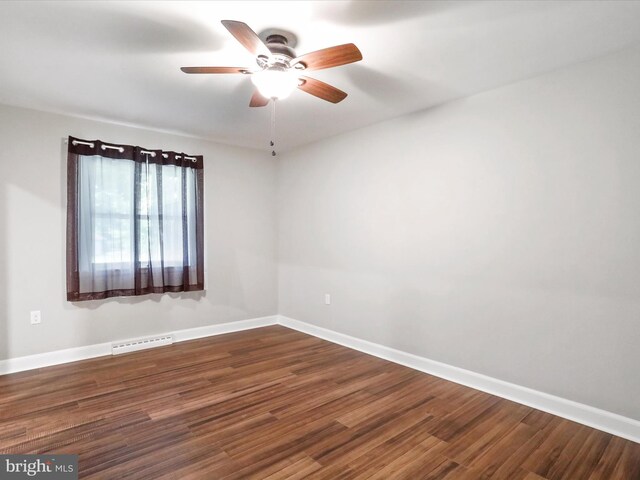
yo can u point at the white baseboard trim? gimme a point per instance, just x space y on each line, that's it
222 328
592 417
47 359
57 357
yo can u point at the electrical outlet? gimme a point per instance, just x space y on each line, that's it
327 299
36 317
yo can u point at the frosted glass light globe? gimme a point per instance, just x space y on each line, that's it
275 83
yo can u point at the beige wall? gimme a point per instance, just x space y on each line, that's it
240 239
499 233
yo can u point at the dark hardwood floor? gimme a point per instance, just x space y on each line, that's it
275 403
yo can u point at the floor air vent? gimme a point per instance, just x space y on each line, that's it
140 344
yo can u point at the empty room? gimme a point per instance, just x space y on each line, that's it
357 239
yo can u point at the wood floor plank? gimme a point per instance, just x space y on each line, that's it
491 462
420 461
609 460
273 403
480 438
628 465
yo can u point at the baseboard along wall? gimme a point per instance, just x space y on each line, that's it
590 416
40 360
593 417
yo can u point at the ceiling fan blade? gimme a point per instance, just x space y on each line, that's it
257 100
215 70
247 37
321 90
330 57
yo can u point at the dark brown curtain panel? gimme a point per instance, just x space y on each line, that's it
134 221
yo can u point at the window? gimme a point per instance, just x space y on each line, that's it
134 221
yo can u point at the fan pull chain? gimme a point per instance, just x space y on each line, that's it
273 127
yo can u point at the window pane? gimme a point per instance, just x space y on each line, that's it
106 208
172 214
113 239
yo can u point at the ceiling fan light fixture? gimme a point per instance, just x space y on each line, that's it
280 68
275 83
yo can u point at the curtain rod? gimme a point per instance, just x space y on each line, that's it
120 149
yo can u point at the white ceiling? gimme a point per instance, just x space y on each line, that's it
119 61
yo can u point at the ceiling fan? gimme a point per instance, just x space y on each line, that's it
279 69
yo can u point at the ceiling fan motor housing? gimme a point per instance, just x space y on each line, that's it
281 52
279 45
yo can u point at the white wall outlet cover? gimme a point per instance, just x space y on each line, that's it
327 299
36 317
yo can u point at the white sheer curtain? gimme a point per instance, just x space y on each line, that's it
134 221
106 238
